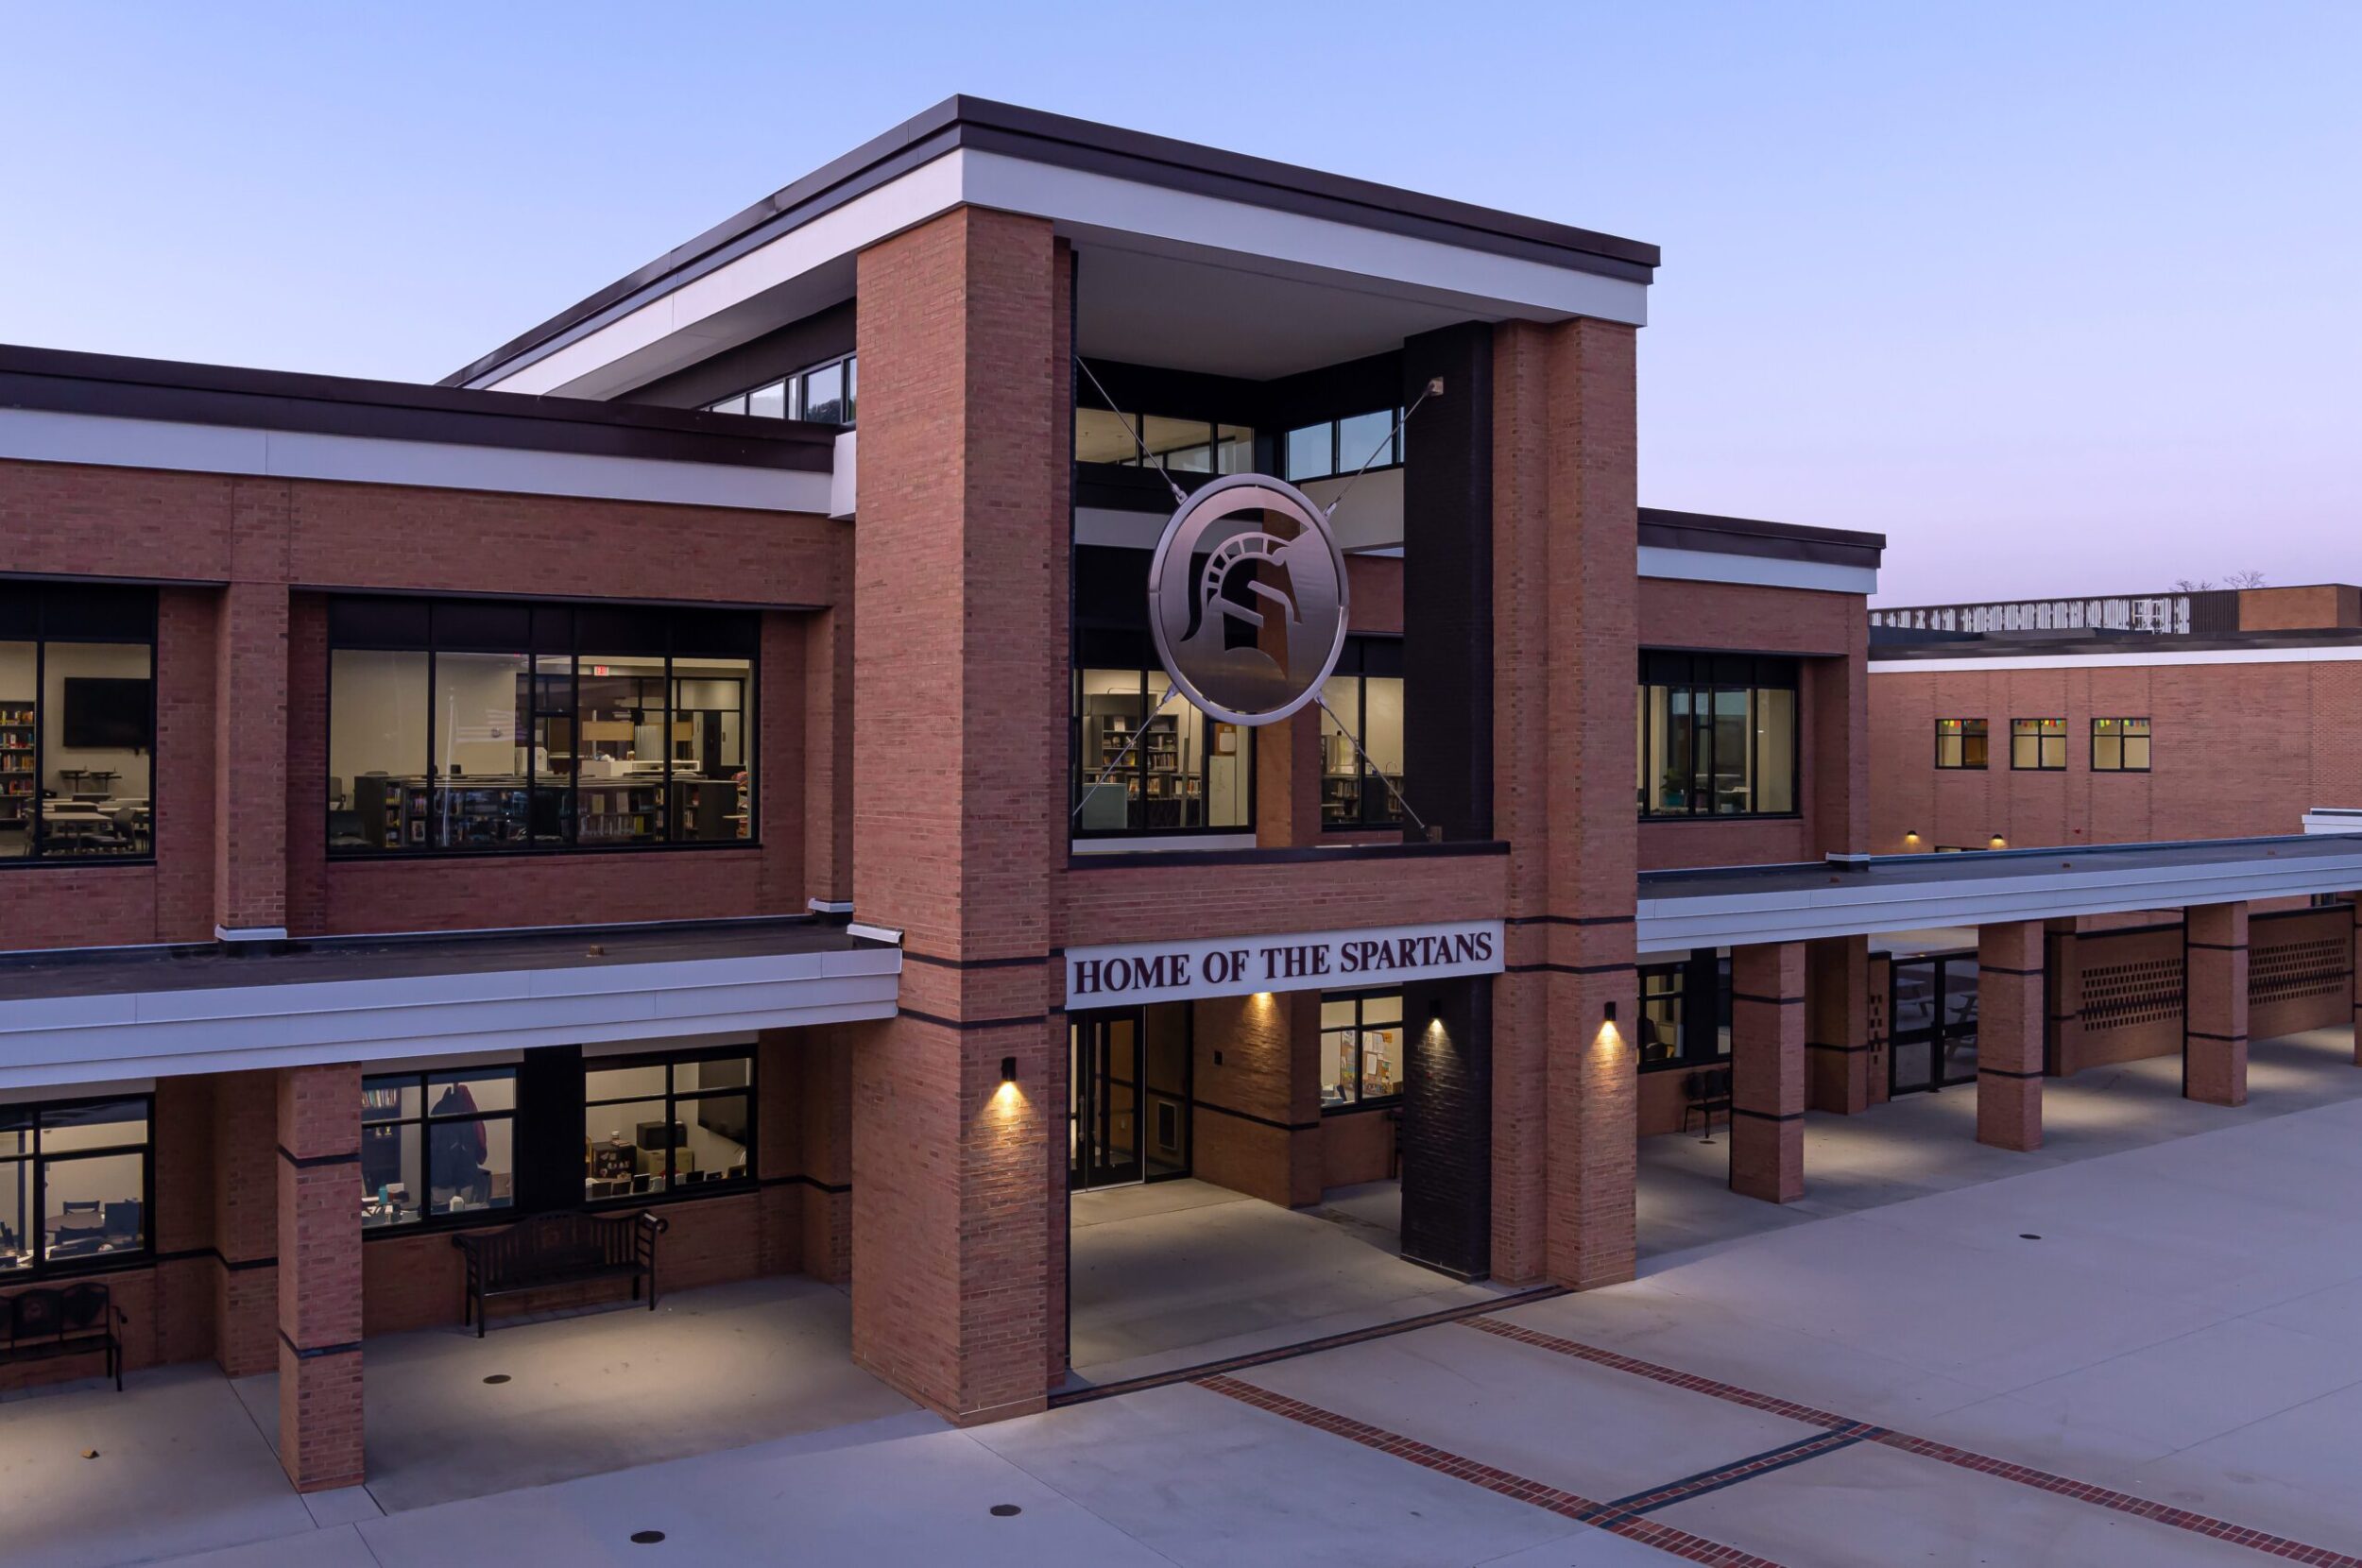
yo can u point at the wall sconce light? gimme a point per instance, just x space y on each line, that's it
1608 1014
1999 842
1911 835
1008 1069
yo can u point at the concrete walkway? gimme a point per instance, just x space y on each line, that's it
1177 1274
1926 1143
2141 1357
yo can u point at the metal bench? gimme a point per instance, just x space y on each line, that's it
1704 1093
559 1248
43 1322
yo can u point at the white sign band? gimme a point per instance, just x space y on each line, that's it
1130 974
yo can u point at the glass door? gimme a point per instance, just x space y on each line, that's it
1104 1099
1933 1041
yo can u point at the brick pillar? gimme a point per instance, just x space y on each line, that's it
1565 548
1288 781
2062 996
827 1164
828 750
1446 1126
1837 1024
1768 1071
2213 1019
960 679
319 1276
1257 1122
250 722
2009 1034
246 1223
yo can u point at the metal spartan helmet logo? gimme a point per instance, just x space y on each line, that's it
1246 598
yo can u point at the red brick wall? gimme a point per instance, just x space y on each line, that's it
241 680
2237 750
1828 633
1355 1146
2313 608
1257 1122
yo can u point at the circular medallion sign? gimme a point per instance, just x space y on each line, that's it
1246 598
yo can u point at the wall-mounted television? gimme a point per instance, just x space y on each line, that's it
105 714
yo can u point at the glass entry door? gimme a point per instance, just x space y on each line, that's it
1104 1099
1933 1044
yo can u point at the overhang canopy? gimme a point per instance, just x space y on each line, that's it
86 1015
1856 896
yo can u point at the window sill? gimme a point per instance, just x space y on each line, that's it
75 862
1710 1063
1384 1102
49 1273
1647 817
397 857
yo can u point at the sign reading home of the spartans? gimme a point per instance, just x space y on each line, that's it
1247 599
1128 974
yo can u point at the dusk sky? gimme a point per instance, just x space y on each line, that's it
2062 298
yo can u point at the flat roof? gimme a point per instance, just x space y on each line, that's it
207 966
1899 645
1087 146
1858 895
1786 541
62 381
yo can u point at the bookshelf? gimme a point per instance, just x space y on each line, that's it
19 784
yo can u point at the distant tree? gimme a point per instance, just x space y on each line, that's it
2244 580
2192 585
2234 580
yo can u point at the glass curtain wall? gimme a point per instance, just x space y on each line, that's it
483 727
1716 735
1366 693
1140 769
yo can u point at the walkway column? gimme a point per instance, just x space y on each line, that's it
960 689
2357 977
1768 1071
1564 541
319 1276
1256 1087
1837 1024
2009 1035
2062 996
2214 1018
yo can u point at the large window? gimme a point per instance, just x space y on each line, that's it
682 1122
2038 745
1685 1012
1365 692
478 726
74 1184
78 721
1341 446
2119 745
1717 734
824 395
1178 446
1361 1048
1960 743
1142 769
437 1144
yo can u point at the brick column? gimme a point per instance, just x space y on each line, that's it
2062 996
960 680
246 1223
319 1276
2009 1034
1837 1024
251 720
1565 544
2355 977
828 751
1256 1124
1768 1071
2214 1018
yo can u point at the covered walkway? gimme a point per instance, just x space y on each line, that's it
185 1460
1926 1143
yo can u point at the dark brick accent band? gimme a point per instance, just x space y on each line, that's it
2201 1035
350 1347
1566 1505
1567 968
1767 1116
1028 961
1570 920
2218 947
2042 1480
310 1162
2005 1072
1249 1116
1766 1001
1997 969
976 1023
1845 1051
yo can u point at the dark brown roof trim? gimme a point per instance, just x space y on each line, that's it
59 381
1949 645
1780 541
1057 139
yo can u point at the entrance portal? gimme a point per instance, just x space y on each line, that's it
1933 1044
1128 1096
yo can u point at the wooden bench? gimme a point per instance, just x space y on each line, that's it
43 1322
559 1248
